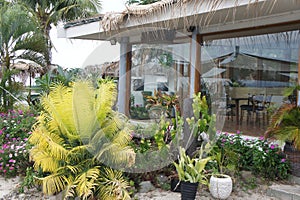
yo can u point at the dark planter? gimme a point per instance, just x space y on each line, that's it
188 190
175 185
294 156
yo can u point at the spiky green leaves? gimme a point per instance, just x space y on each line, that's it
76 135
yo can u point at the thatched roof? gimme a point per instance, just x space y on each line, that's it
107 69
113 20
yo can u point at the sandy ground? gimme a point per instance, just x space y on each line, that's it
9 187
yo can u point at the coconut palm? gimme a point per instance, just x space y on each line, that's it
50 12
77 134
20 39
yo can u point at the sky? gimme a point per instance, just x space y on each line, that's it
79 53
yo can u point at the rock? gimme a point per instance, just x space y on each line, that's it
246 176
22 196
146 186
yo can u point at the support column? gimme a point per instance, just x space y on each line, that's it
195 70
124 86
298 92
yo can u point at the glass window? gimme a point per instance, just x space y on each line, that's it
159 75
249 75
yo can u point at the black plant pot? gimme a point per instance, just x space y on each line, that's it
294 156
175 185
188 190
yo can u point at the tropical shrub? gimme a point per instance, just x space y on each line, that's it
15 128
285 125
79 139
263 158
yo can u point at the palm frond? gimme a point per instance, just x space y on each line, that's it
83 109
87 182
113 186
54 183
105 97
43 160
277 118
57 104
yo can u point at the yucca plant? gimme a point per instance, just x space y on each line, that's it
76 135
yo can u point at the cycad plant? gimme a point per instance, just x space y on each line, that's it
285 125
79 139
285 122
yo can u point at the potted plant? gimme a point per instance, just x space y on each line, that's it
190 173
220 184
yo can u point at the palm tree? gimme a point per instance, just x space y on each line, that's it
77 134
20 39
51 12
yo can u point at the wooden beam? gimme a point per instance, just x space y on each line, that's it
195 71
128 79
198 64
298 92
124 77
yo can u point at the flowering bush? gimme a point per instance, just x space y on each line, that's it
258 155
15 127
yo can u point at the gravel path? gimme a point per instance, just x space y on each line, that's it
9 188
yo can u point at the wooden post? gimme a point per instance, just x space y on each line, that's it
124 86
298 92
195 72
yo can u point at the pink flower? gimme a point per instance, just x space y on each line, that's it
1 131
261 138
1 151
11 168
12 161
272 146
283 160
238 132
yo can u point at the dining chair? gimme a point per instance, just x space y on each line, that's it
261 105
229 107
247 108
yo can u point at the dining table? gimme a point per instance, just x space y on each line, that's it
237 105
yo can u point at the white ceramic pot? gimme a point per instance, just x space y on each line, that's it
220 186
